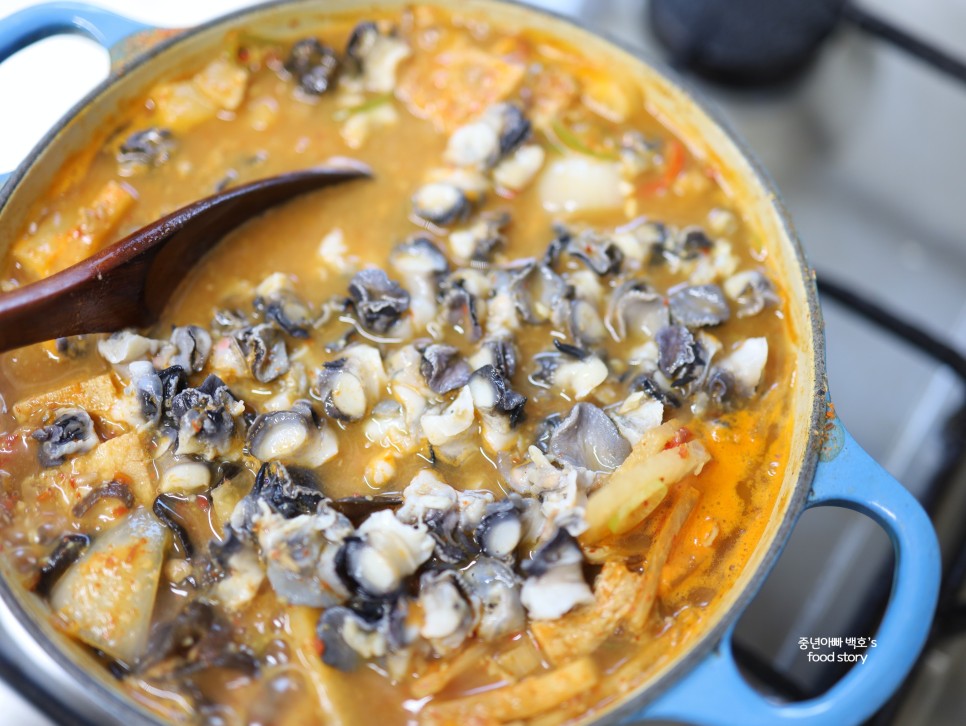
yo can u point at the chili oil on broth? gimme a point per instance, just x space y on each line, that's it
737 487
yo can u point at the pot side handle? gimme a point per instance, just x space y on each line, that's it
716 694
29 25
35 23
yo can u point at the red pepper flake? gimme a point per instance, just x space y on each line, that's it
202 501
8 443
318 646
674 158
135 550
119 510
681 437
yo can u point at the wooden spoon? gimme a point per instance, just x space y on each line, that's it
129 283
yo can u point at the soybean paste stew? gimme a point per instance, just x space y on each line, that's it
482 440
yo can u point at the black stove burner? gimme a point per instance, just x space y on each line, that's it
744 42
766 42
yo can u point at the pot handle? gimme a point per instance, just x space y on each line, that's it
29 25
716 694
35 23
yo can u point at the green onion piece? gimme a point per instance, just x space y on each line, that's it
573 142
365 106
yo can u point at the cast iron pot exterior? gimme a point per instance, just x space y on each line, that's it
702 685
